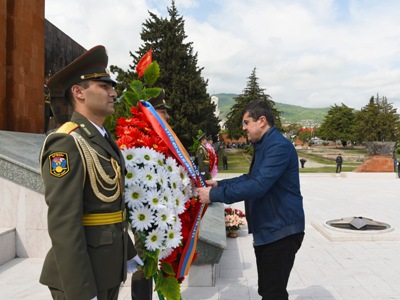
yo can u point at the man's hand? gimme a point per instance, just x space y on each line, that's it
204 194
212 183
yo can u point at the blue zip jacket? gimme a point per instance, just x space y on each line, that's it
271 191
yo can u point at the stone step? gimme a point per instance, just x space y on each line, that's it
7 245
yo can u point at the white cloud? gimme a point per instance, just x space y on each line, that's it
310 53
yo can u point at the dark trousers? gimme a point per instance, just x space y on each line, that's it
110 294
338 168
274 263
142 289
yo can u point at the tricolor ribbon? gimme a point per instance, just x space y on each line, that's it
166 133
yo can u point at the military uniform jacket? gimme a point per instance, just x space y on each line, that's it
83 259
203 161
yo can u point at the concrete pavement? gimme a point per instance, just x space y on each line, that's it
332 264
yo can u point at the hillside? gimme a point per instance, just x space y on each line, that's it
290 113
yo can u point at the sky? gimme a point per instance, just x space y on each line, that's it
306 52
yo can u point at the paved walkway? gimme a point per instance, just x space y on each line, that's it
352 266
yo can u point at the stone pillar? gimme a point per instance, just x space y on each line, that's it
3 51
22 65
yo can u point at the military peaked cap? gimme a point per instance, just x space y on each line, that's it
203 136
159 101
92 65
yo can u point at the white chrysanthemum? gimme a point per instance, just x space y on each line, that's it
135 196
175 182
130 156
163 178
171 165
173 238
163 218
159 159
187 191
132 175
149 177
177 223
155 200
184 176
154 240
147 155
165 253
167 197
180 201
142 218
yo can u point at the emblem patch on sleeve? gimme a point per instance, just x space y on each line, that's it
59 164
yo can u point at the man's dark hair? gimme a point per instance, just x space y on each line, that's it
68 93
257 109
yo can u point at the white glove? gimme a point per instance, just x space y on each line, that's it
95 298
133 263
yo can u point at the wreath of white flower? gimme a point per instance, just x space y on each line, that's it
156 192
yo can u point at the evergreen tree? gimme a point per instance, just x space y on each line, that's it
250 93
338 124
377 121
180 77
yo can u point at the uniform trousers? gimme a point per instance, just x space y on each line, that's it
110 294
142 289
274 263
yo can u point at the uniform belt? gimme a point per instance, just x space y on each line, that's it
206 161
104 218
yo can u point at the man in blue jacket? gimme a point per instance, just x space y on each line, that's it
273 201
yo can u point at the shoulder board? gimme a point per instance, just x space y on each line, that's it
67 127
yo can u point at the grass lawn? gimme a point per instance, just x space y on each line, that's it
329 165
239 162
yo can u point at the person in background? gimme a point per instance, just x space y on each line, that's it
225 161
273 201
303 162
339 161
83 172
142 288
213 157
203 158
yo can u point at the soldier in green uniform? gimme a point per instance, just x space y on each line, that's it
203 158
83 173
142 288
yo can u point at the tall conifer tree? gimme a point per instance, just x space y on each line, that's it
377 121
185 88
250 93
